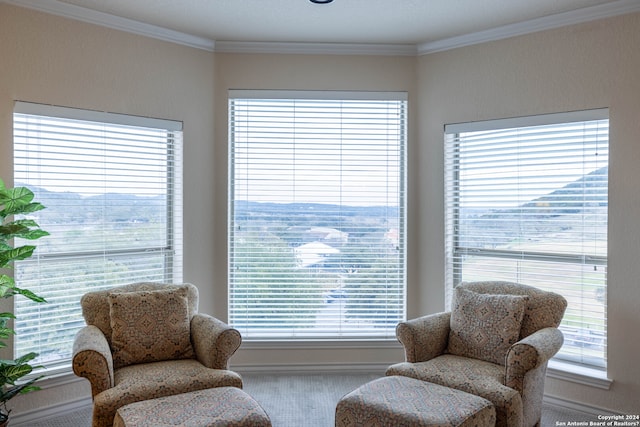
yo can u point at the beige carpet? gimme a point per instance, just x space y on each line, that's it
301 401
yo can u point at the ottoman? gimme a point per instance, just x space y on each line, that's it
402 401
220 406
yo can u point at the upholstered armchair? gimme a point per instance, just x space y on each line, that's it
495 343
147 340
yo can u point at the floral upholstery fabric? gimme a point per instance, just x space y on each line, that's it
150 326
226 406
213 343
515 389
484 326
402 401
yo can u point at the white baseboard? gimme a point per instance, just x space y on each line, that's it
25 419
302 368
562 403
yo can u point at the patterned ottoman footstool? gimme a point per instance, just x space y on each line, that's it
403 401
221 406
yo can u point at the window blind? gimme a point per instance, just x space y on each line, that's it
527 201
112 188
317 214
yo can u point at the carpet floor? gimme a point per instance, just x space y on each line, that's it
302 401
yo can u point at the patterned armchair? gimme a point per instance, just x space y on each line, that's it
146 340
495 343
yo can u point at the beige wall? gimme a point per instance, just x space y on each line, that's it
587 66
57 61
51 60
310 72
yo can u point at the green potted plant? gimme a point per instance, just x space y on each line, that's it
15 201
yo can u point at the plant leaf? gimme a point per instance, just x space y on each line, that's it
19 253
34 234
17 197
23 209
26 358
7 284
22 228
12 373
6 332
12 392
11 229
27 293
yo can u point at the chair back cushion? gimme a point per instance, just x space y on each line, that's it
96 309
485 326
150 326
543 310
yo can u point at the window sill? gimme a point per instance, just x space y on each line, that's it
319 344
53 376
578 374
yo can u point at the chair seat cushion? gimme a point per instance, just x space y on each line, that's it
134 383
473 376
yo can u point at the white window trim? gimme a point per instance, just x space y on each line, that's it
558 368
332 96
59 368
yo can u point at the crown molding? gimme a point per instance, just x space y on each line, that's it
71 11
580 16
317 48
586 14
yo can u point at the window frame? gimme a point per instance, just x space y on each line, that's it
456 250
330 96
168 248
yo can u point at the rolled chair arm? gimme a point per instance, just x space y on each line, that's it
530 353
425 337
213 341
92 359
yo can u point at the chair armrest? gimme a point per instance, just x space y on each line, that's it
213 341
92 359
425 337
530 353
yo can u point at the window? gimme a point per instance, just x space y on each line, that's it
111 185
526 201
317 214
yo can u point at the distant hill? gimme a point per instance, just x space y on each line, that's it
243 207
75 208
67 207
569 199
560 212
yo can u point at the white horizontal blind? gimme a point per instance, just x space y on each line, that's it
527 201
317 214
112 188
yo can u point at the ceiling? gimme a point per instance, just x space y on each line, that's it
415 23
